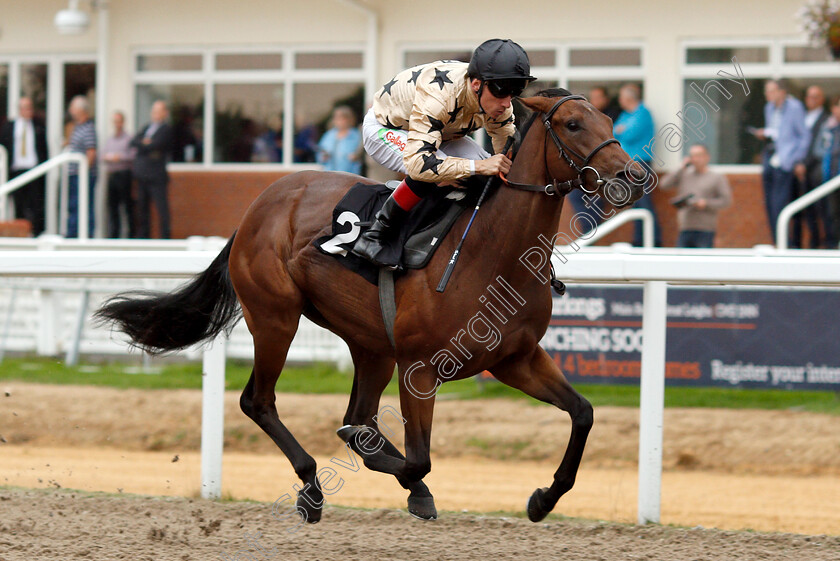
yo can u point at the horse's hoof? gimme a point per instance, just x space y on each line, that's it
347 432
422 508
313 514
536 509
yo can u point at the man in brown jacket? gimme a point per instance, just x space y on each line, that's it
420 120
701 193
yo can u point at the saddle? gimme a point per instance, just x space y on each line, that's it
418 238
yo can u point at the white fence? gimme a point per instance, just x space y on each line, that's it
654 268
51 316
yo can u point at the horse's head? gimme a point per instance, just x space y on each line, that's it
578 144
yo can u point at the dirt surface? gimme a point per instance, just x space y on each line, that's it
806 505
759 470
40 525
731 441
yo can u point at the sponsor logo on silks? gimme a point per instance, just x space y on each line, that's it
391 139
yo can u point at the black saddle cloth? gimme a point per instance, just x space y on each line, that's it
419 236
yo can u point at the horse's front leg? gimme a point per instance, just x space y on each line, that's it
538 376
418 386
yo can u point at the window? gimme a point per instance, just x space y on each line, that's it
328 60
33 84
314 104
605 57
186 102
542 57
247 61
168 63
80 79
415 58
248 123
807 53
724 130
722 55
261 106
4 93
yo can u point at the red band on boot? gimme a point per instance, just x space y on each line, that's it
405 197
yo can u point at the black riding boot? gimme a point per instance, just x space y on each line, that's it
370 244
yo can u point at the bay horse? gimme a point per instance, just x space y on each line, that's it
271 269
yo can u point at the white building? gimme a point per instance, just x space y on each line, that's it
221 62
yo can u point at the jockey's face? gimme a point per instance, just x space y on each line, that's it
495 107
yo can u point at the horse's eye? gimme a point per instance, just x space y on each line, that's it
573 126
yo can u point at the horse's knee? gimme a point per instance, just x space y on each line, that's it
583 417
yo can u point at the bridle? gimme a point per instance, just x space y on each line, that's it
565 187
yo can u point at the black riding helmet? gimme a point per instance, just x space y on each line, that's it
503 65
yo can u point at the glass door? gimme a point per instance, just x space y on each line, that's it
4 94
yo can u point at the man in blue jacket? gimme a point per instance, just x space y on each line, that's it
784 118
634 129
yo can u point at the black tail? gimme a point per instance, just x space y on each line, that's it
159 322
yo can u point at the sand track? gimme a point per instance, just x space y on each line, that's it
49 525
762 470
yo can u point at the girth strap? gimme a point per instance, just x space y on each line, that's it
387 301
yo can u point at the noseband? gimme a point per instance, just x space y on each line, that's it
562 188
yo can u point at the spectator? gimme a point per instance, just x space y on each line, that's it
784 118
154 145
831 166
82 141
119 155
701 193
340 147
26 146
599 97
634 129
809 173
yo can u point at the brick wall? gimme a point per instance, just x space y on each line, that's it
209 203
15 229
744 224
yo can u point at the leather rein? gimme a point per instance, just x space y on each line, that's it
564 187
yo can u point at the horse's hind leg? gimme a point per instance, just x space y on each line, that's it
273 330
364 420
539 377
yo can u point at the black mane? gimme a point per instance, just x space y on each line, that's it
554 92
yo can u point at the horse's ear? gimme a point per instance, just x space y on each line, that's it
537 103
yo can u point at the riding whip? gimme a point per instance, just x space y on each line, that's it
444 280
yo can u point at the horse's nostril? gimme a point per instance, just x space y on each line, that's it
638 173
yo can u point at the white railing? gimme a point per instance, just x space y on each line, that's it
655 268
52 315
83 194
793 207
622 218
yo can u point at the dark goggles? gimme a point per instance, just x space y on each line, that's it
503 88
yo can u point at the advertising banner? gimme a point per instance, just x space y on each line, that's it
731 337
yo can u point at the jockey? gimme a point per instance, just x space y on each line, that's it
419 122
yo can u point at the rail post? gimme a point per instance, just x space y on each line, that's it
652 400
212 418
